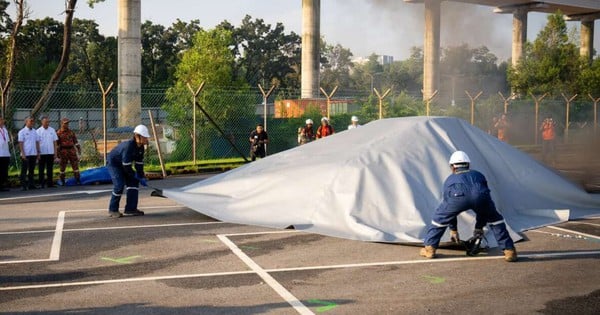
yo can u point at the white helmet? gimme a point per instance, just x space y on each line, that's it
309 122
142 131
354 118
459 157
325 119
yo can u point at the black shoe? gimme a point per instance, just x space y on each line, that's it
134 213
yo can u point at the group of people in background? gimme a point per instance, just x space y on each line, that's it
306 134
44 147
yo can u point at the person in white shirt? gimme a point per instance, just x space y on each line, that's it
48 152
354 123
29 144
4 155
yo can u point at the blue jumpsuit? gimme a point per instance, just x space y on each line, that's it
120 163
467 189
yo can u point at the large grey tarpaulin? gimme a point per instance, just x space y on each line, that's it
383 181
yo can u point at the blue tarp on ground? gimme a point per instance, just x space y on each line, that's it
92 176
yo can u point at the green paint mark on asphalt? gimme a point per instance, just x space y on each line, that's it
327 305
435 280
124 260
248 247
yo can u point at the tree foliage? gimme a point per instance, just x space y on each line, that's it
550 64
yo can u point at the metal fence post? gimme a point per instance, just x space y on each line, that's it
473 99
328 96
195 95
537 111
381 97
104 93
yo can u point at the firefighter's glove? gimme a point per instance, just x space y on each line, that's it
454 237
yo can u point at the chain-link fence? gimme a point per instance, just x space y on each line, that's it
234 113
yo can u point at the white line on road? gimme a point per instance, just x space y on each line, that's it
262 232
282 291
158 278
574 232
89 192
57 240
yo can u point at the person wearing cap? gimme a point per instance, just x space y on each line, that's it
466 189
353 123
258 139
48 152
29 145
4 155
325 129
125 165
68 151
306 134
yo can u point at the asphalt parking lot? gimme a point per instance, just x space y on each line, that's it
60 253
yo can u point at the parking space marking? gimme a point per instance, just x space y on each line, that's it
97 282
263 232
89 192
57 240
574 232
280 289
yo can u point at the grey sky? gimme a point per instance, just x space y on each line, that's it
387 27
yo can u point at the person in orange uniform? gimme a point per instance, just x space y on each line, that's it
502 127
325 129
548 130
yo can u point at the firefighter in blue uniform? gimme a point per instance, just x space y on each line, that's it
463 190
121 163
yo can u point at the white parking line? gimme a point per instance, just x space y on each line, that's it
574 232
57 240
115 227
158 278
89 192
281 290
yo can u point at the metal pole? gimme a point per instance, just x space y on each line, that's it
595 100
195 95
265 111
160 159
329 96
473 99
506 100
104 93
381 97
568 100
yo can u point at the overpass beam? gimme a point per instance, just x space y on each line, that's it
311 20
587 40
129 63
519 34
431 48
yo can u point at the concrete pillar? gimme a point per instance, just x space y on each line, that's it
519 34
311 20
130 62
431 48
587 40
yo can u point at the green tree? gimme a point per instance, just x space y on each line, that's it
335 71
550 64
227 100
93 56
265 54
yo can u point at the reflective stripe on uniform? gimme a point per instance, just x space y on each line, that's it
497 222
438 224
142 163
117 195
128 188
126 163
